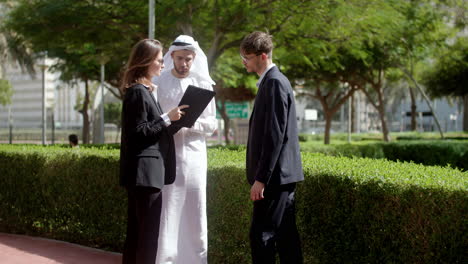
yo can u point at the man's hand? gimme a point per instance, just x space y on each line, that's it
256 192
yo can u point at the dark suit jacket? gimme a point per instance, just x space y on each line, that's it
147 153
273 155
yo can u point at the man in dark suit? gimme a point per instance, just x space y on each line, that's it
273 157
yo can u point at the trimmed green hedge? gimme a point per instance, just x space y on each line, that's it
62 193
340 136
442 153
376 211
350 210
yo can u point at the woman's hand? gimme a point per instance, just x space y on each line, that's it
175 114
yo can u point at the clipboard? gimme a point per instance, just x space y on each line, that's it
197 99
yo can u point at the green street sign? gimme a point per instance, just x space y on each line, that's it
236 110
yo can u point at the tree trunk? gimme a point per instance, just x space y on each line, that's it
227 122
381 109
186 29
328 121
117 135
414 123
227 127
214 50
353 114
330 110
427 101
85 114
376 85
383 119
465 113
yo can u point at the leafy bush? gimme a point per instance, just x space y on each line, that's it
377 211
350 210
425 152
228 147
341 137
229 207
63 193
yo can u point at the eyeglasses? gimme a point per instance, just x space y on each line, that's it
246 59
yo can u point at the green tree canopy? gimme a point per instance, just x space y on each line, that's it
82 34
347 42
12 46
449 76
359 43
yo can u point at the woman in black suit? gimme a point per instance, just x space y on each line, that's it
147 155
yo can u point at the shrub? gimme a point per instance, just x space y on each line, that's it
63 193
376 211
350 210
425 152
228 147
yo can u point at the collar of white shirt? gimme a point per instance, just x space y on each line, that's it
264 73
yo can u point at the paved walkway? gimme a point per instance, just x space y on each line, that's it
18 249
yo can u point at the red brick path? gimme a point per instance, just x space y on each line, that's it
18 249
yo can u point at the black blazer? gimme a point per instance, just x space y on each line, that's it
273 155
147 152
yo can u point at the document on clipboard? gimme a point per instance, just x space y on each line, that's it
197 99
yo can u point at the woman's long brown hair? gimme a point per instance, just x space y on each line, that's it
141 57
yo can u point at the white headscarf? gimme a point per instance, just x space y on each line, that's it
200 63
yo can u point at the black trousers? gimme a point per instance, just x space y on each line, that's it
274 229
144 213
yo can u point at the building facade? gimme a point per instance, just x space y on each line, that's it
26 107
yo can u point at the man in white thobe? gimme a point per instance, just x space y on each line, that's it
183 235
